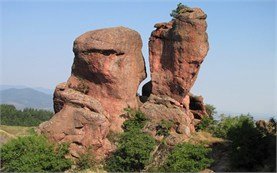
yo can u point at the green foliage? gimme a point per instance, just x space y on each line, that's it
136 120
134 147
163 128
86 161
187 157
33 154
27 117
179 10
207 124
228 122
113 136
211 110
251 148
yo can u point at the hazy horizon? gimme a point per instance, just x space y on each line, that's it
238 74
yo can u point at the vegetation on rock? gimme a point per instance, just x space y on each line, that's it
164 127
179 10
134 147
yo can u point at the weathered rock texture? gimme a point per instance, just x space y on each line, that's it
107 70
176 51
161 110
110 65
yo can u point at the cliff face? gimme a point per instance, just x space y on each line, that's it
107 70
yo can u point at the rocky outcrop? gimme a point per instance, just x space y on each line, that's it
107 70
176 51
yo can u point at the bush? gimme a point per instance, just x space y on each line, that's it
136 120
134 147
179 10
27 117
86 160
163 128
207 124
227 122
187 158
33 154
210 109
251 148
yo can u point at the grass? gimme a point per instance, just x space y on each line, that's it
206 138
10 132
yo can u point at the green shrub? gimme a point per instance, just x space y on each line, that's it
33 154
136 120
163 128
86 161
133 152
207 124
211 110
179 10
134 147
187 157
227 122
251 148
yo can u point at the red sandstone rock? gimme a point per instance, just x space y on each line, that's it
80 121
163 108
197 106
176 51
109 66
107 70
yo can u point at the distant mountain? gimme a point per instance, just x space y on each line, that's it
41 89
4 87
26 97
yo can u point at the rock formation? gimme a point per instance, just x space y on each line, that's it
197 106
107 70
176 51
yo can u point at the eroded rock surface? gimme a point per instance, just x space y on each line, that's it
165 110
109 67
107 70
176 51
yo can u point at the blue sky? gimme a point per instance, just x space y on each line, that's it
237 76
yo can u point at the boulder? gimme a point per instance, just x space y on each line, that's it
163 109
176 51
